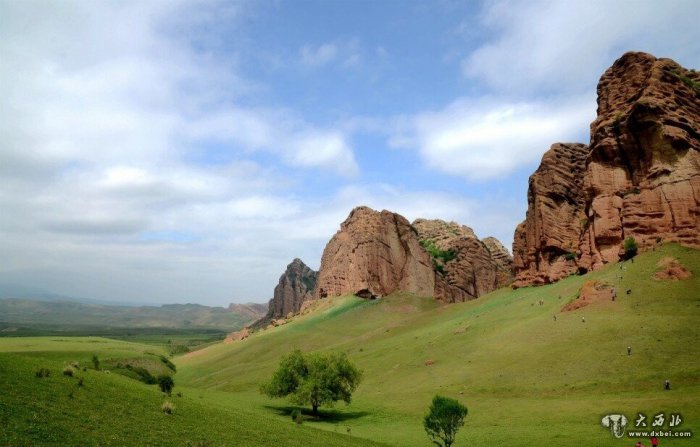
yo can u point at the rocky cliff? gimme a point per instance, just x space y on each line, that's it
545 245
462 259
640 176
377 253
503 259
296 285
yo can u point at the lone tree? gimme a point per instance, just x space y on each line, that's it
630 246
314 379
444 418
166 383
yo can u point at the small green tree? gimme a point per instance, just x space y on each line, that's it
314 379
95 362
630 247
166 383
444 418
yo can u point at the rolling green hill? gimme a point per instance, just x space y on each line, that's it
526 378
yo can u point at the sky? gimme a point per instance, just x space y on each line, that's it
187 151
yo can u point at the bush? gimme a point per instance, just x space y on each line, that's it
436 252
167 407
42 372
165 383
80 382
68 371
168 363
444 419
299 419
630 247
96 362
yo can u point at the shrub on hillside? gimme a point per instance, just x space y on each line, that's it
68 371
630 247
295 414
167 407
166 383
96 362
42 372
168 363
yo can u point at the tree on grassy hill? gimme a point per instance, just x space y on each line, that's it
166 383
314 379
444 418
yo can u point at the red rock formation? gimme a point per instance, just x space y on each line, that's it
503 259
465 261
379 252
641 175
296 285
546 243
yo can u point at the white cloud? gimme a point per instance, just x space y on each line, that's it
106 132
489 138
555 46
323 149
318 56
346 53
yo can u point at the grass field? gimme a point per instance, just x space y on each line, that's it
526 378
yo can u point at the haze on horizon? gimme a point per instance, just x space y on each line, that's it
187 151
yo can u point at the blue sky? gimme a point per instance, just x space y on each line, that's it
186 151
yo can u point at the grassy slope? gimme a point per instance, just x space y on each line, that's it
110 409
526 378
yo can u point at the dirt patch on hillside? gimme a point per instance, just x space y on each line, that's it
591 292
237 336
671 269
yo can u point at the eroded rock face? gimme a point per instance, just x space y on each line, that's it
640 176
378 253
462 259
643 172
546 243
296 285
503 259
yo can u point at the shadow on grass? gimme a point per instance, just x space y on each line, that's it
324 415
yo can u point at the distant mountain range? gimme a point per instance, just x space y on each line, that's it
21 305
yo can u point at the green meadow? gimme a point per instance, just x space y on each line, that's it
526 378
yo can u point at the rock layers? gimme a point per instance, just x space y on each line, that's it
376 253
640 176
462 259
545 244
296 285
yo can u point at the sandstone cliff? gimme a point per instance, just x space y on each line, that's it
643 172
640 176
503 259
377 253
296 285
462 259
546 243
